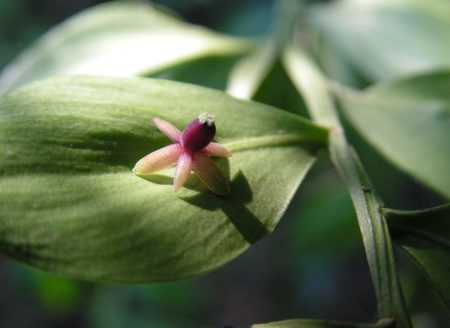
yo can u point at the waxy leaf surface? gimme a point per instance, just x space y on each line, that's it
69 202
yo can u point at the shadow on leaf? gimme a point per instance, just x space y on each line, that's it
233 205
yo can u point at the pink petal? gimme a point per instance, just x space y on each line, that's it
168 129
184 167
158 160
210 175
217 149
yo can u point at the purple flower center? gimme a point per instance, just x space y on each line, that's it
199 133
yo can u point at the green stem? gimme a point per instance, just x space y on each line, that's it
377 243
416 213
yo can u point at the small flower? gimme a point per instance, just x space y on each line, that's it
190 151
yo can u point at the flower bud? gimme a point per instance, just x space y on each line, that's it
199 133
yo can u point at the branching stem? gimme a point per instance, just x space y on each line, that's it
377 243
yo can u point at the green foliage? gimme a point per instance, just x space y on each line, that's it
424 113
117 39
383 39
71 204
312 85
425 235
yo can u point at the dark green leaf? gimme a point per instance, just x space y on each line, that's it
212 72
70 203
425 235
408 121
117 39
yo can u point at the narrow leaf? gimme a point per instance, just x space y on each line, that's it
311 85
69 202
249 73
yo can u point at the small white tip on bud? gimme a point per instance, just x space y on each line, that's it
206 118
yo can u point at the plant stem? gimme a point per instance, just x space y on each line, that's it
377 243
416 213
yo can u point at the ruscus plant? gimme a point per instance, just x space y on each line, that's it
91 127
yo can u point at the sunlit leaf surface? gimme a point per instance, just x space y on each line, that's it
249 73
70 203
117 39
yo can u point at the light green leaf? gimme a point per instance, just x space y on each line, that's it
250 71
385 38
431 86
408 121
117 39
425 235
69 202
311 85
261 76
319 323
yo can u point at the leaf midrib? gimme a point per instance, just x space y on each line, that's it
273 140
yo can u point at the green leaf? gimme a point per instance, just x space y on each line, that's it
69 202
211 71
408 121
310 84
117 39
431 86
262 77
385 39
319 323
249 73
425 235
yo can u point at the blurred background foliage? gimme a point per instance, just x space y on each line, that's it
313 265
